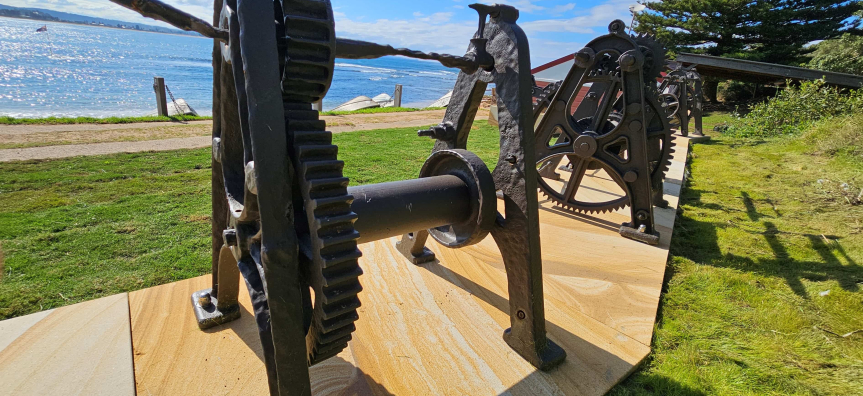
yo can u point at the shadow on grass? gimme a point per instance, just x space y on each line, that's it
698 241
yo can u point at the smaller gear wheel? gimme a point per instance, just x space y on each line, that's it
655 55
543 96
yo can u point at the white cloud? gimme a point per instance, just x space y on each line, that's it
435 32
558 10
591 21
527 6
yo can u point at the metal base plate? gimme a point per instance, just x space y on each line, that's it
698 138
210 316
544 359
426 256
627 231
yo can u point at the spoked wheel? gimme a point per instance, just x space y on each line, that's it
587 184
322 220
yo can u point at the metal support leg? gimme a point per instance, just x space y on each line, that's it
219 304
412 246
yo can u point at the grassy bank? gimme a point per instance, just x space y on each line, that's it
93 120
127 120
376 110
763 292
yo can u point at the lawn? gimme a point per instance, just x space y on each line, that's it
763 287
762 284
5 120
82 228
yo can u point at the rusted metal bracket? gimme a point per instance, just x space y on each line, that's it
516 231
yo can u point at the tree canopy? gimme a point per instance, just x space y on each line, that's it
843 55
774 31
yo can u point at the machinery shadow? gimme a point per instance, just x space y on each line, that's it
334 376
614 366
584 218
698 241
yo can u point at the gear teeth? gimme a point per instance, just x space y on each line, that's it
335 267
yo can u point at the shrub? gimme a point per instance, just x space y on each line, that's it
842 55
841 135
795 109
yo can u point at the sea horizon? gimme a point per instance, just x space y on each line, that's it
83 70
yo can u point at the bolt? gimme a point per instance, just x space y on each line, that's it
642 215
584 147
635 126
627 62
583 57
520 314
630 176
426 132
204 300
512 159
230 237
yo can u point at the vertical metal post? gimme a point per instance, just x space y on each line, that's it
697 107
683 110
161 101
397 96
319 105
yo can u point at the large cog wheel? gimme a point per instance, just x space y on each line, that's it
655 55
323 220
329 248
660 147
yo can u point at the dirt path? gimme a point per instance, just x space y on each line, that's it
27 142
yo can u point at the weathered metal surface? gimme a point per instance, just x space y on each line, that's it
395 208
682 96
284 216
619 128
760 72
356 49
516 231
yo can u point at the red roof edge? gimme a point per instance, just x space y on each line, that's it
553 63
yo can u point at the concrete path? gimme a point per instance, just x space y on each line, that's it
75 150
66 136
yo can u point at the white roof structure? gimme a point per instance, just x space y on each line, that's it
555 70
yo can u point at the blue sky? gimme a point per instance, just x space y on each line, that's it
554 27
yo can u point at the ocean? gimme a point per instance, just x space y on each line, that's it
77 70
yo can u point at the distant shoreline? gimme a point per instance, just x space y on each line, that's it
104 26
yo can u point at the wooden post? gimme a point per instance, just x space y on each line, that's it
161 101
397 96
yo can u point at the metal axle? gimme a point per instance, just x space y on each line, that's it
396 208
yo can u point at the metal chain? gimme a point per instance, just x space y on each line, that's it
176 106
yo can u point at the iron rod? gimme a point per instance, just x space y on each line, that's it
392 209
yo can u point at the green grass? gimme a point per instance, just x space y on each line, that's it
126 120
765 226
93 120
376 110
764 229
82 228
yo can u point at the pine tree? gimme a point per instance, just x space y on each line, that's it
774 31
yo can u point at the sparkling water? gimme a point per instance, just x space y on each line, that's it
77 70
